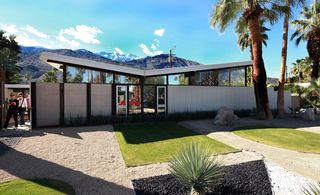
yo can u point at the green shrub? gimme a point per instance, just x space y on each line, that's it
196 167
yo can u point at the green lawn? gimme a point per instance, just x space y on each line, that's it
283 138
149 143
35 187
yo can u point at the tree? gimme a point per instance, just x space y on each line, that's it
9 56
50 77
284 49
244 40
308 29
302 69
251 12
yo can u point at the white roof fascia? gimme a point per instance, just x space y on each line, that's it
17 86
45 56
196 68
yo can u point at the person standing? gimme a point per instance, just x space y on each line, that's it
12 111
27 96
22 108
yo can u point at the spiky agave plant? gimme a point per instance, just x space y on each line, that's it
196 166
313 189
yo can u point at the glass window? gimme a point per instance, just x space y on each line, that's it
209 78
82 75
249 76
149 99
76 75
223 77
134 99
108 78
178 79
123 79
237 77
159 80
121 100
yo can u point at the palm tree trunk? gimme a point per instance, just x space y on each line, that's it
259 71
280 99
315 69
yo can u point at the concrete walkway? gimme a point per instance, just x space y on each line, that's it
305 164
88 158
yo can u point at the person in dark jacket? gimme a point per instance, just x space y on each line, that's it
12 111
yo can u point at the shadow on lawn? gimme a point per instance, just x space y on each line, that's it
153 132
26 166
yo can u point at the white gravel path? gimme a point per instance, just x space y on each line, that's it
286 182
88 158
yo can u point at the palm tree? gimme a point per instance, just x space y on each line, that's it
244 40
251 12
284 49
50 77
308 29
302 69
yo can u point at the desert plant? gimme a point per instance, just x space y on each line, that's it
196 167
313 189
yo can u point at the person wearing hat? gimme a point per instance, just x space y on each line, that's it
12 111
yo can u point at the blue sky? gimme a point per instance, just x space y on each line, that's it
140 27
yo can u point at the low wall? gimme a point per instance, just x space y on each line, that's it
58 104
47 104
207 98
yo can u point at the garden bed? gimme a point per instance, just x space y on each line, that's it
245 178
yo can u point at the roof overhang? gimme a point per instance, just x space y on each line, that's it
56 60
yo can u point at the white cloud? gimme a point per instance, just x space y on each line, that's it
71 43
9 28
153 47
119 51
159 32
156 42
148 52
69 38
86 34
30 29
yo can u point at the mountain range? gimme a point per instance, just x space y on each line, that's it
32 66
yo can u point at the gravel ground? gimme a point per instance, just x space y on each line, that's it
9 139
162 168
286 182
88 158
244 178
306 164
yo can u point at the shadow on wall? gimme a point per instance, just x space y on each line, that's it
26 166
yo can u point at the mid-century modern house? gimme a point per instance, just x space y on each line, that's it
92 88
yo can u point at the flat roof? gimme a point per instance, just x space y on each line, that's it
56 60
17 86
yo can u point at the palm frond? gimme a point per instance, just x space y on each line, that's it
312 189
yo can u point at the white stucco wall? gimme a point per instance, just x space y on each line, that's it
75 101
208 98
47 104
101 98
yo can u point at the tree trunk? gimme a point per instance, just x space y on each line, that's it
280 99
315 69
259 71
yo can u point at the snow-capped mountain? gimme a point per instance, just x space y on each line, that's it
116 56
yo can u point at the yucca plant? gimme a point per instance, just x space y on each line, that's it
196 167
313 189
